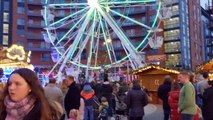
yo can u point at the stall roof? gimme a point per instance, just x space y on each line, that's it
208 66
154 69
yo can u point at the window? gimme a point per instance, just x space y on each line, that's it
5 27
153 7
143 20
61 13
20 10
116 44
20 1
20 43
172 47
5 40
6 17
173 60
118 55
45 57
31 21
84 54
30 44
154 51
20 31
6 6
20 21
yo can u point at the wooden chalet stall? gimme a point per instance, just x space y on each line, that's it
152 76
208 67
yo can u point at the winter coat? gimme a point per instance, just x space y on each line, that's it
106 90
208 104
72 98
186 102
163 91
173 103
136 100
54 93
34 114
88 98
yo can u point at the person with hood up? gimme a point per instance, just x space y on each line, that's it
87 94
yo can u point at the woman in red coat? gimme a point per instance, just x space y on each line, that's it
173 101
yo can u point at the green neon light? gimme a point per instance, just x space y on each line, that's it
73 27
71 15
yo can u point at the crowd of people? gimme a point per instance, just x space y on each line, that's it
24 98
190 98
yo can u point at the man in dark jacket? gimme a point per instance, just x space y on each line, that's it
72 98
136 101
163 91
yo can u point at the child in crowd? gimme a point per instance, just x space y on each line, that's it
74 115
103 109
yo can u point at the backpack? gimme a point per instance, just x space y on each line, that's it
104 111
120 102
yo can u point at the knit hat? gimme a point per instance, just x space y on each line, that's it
87 88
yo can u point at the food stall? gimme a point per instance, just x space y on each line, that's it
152 76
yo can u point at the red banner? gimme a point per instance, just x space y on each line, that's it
155 58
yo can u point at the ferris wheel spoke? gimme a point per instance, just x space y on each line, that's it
67 17
128 45
128 18
71 29
97 44
92 40
82 45
105 38
110 40
77 39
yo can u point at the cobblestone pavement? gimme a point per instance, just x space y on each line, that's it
153 112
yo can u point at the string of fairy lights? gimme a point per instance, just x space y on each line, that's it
155 67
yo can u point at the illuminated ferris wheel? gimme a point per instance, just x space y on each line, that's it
97 28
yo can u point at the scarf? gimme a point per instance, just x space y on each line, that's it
18 110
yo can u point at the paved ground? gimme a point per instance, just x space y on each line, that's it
153 112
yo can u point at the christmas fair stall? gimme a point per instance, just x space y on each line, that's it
13 58
152 76
206 67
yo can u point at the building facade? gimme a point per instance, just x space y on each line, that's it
27 30
182 36
6 13
207 33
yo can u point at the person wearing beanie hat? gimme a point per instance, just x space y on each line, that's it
87 94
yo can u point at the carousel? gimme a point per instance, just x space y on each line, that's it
13 58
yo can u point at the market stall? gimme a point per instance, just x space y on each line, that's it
207 66
152 76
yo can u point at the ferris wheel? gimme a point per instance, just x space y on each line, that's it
99 30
